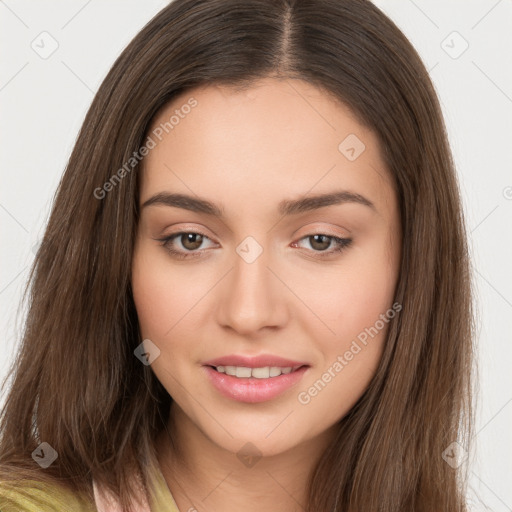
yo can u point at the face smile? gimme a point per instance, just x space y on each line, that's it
264 249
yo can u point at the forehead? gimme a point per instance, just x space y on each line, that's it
273 139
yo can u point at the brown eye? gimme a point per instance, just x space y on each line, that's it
191 241
185 244
320 242
325 245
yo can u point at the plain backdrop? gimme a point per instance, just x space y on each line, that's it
54 55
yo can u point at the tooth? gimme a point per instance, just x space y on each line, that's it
261 373
242 371
258 373
275 371
230 370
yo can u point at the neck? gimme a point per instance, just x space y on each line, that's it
204 477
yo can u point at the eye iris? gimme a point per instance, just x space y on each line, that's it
320 246
189 237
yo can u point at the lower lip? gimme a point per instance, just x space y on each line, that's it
251 389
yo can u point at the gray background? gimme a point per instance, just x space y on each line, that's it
44 98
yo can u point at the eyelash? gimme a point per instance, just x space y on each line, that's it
341 245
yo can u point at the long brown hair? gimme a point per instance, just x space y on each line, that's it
76 383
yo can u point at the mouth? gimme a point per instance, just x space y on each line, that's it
253 385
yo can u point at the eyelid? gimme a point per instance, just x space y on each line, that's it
316 228
166 239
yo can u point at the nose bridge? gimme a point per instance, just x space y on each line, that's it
250 300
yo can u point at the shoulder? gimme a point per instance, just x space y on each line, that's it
34 496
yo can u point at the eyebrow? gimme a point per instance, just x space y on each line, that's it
286 207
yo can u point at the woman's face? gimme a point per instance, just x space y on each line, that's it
261 267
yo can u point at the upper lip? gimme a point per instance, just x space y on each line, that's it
254 361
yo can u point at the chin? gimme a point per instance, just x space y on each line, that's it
256 439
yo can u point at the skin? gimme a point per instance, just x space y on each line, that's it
247 151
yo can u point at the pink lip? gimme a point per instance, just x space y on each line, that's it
251 389
254 361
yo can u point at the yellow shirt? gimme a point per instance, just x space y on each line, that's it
40 497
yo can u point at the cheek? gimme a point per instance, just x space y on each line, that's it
165 302
350 357
353 301
162 298
367 293
358 307
349 297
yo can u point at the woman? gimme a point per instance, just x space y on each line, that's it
253 290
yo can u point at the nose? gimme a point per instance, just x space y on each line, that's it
252 297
